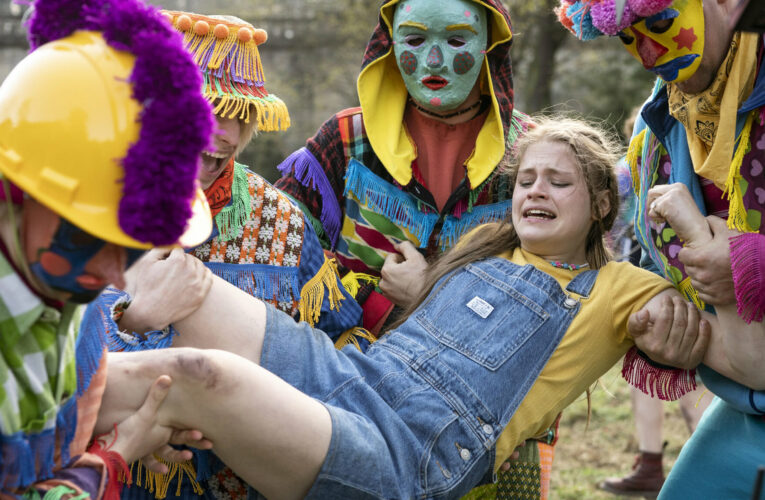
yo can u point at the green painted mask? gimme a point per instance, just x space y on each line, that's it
440 47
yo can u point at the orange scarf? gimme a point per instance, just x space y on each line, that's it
219 192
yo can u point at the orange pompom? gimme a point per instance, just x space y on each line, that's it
244 34
169 17
221 31
201 28
184 23
260 36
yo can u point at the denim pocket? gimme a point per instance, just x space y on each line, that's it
451 459
483 316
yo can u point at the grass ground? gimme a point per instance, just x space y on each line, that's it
587 454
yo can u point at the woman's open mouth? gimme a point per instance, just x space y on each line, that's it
435 82
213 161
538 214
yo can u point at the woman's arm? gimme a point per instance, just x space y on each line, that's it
670 330
737 348
673 332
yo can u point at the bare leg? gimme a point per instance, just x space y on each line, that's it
271 434
229 319
693 405
649 418
647 476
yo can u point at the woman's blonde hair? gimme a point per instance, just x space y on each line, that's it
596 153
247 130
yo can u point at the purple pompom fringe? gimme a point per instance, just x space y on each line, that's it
161 167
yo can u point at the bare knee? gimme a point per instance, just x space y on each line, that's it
205 369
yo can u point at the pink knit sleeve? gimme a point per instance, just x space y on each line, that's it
747 259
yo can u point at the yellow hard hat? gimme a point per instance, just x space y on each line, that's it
67 120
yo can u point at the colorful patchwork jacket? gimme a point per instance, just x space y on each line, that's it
262 244
51 381
659 154
355 177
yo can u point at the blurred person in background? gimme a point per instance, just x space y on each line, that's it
647 476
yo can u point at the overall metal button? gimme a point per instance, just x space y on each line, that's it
487 429
569 303
465 454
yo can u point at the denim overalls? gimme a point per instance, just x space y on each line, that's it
419 414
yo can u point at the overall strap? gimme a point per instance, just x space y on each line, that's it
582 283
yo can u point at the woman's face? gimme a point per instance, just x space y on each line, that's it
440 47
225 144
70 260
551 204
670 43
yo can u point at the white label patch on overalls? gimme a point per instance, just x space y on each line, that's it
480 307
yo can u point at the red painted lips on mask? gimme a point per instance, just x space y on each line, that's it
435 82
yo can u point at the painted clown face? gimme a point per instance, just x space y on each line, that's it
71 260
670 43
440 47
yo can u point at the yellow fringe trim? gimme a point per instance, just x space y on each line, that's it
737 218
636 146
159 483
350 337
312 294
271 112
690 293
246 62
352 282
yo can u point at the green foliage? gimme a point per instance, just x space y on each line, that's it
597 79
601 80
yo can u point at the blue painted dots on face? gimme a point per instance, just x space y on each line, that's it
463 62
408 62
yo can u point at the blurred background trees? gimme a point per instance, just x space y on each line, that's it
314 51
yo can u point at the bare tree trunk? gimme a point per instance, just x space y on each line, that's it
547 36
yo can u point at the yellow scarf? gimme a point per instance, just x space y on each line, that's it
710 116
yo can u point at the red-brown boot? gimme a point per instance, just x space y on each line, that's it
646 479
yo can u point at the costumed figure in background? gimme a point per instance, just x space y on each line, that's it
261 242
87 166
399 179
417 162
704 128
